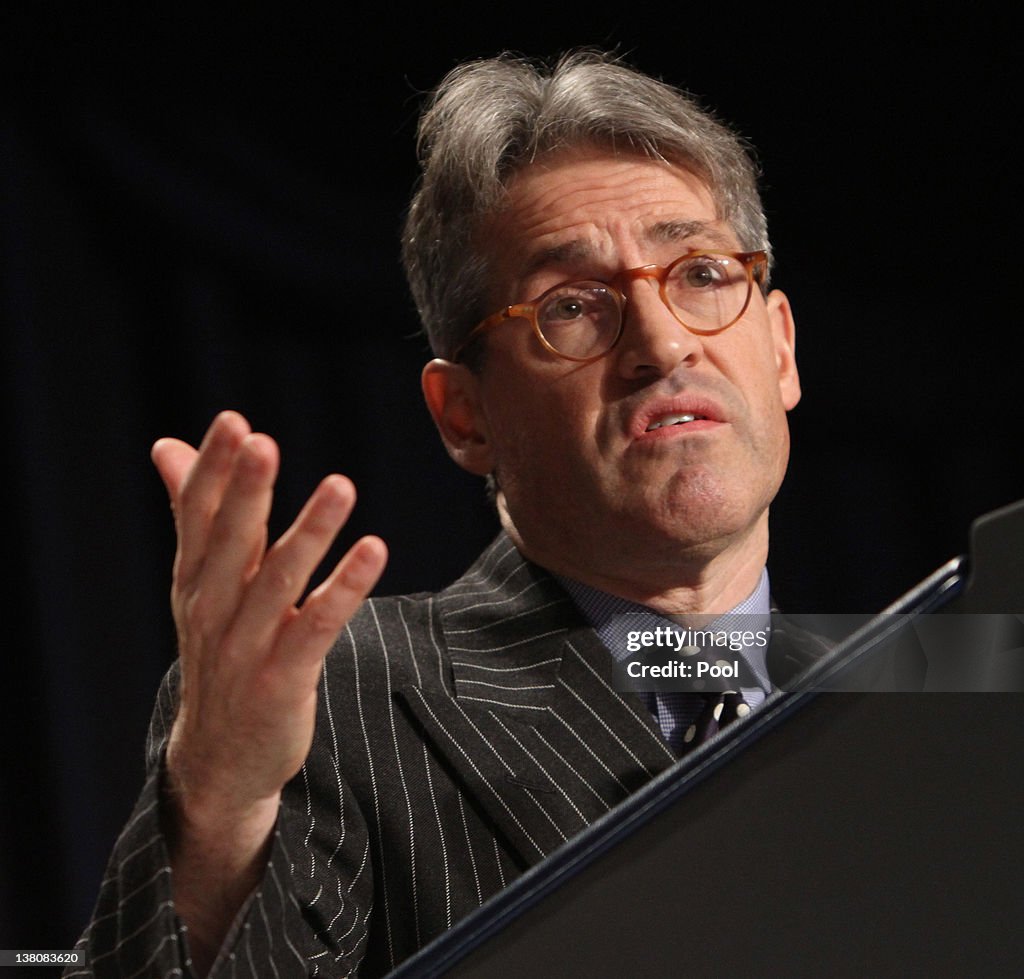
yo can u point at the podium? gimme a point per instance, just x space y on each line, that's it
825 834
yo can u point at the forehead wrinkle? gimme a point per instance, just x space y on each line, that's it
593 214
576 250
580 250
667 232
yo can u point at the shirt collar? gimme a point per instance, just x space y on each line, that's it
602 610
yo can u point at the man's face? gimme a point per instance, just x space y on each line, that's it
584 483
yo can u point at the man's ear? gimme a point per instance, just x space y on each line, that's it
780 316
452 392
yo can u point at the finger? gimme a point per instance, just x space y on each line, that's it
200 495
238 533
288 565
173 460
306 639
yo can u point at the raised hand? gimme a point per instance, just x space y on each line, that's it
250 657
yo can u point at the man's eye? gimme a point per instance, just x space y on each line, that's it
565 308
577 306
703 275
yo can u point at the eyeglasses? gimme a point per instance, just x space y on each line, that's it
706 291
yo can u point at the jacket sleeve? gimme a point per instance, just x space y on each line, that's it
308 916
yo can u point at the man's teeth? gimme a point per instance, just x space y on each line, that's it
673 420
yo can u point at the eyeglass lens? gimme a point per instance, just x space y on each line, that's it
705 293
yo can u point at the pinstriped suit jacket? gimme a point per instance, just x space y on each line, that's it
461 737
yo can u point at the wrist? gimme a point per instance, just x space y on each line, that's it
205 819
218 850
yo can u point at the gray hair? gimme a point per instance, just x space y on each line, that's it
489 119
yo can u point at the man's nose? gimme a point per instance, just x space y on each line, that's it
654 343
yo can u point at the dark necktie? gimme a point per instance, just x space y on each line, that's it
701 716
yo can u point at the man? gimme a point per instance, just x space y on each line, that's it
590 260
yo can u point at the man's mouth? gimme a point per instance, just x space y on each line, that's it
680 419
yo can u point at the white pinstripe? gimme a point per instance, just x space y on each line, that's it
508 767
281 895
151 746
376 798
481 776
498 554
125 939
440 834
502 703
622 744
351 928
469 848
497 860
362 937
156 952
532 757
571 767
248 948
341 905
411 645
640 723
312 822
558 717
511 645
437 649
500 686
506 669
464 609
604 723
401 777
267 930
124 900
325 693
362 867
156 838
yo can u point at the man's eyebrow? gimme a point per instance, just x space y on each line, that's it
669 231
579 249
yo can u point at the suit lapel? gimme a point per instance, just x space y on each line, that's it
528 719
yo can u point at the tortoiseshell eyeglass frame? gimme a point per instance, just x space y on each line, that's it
754 263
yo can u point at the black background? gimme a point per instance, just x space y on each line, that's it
202 212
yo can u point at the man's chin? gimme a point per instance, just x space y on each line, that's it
701 524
